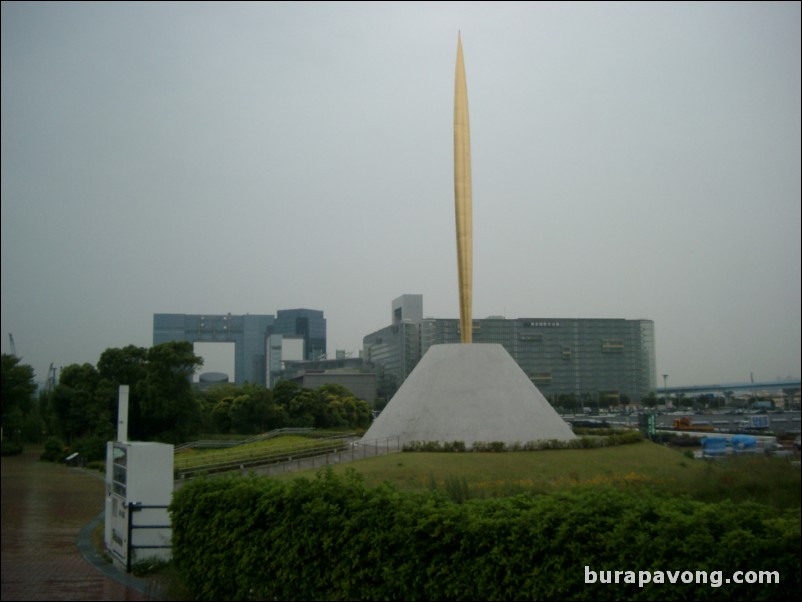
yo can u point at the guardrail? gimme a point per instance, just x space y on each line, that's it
356 450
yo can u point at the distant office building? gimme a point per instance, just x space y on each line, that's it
342 363
407 308
361 384
308 323
248 333
393 351
350 372
587 358
282 348
304 328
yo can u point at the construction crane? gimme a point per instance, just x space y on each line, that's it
50 383
13 346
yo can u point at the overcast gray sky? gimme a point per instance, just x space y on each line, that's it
629 161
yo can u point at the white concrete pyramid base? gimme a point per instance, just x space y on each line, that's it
471 393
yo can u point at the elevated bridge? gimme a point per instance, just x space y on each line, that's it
785 386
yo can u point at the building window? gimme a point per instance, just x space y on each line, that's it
541 378
610 397
612 346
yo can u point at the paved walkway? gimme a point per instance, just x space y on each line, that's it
48 514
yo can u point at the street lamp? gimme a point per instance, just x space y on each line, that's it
665 389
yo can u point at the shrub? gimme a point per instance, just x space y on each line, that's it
238 538
489 446
615 437
10 448
456 489
54 450
91 449
423 446
97 465
454 446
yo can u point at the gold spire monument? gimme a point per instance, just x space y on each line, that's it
463 198
457 392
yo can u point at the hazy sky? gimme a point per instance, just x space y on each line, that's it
629 161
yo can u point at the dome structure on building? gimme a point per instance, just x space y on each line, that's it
211 378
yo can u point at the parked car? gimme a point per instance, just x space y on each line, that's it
590 424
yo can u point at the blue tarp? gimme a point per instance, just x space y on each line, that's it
743 442
714 446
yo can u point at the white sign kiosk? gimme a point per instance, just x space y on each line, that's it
139 487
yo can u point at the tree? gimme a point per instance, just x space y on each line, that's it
16 395
254 411
342 408
80 376
243 415
79 410
17 386
168 410
245 410
683 401
207 399
329 406
126 366
221 415
284 392
307 409
161 402
267 414
72 408
349 412
650 400
567 401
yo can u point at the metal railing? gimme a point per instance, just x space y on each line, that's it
356 450
134 507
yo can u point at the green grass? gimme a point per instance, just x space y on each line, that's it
758 478
416 470
773 481
740 478
769 480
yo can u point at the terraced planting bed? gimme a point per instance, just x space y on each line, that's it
194 462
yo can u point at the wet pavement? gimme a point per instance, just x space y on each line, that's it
48 514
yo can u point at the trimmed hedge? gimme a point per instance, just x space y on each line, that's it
332 538
602 440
